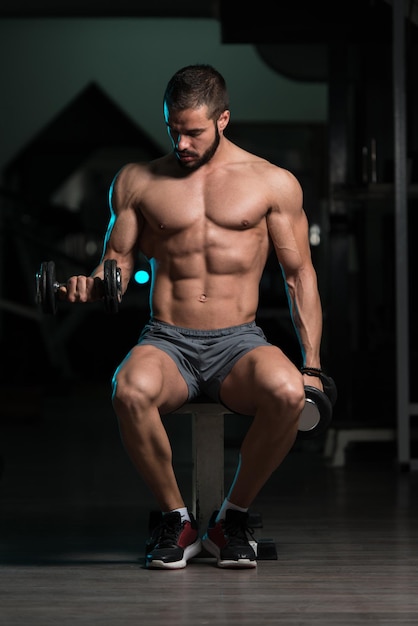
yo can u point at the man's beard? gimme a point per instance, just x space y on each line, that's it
206 156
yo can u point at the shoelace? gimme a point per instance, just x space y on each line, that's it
166 533
238 532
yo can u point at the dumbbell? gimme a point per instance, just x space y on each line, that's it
316 415
47 287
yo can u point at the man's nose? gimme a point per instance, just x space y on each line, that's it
181 142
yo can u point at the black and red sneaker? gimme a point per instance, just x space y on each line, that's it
229 540
172 542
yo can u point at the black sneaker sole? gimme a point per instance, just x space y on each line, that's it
213 549
189 552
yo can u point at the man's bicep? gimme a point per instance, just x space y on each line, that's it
124 232
125 223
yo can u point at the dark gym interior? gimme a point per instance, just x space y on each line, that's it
342 510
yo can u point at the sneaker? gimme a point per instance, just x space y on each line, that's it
229 540
172 542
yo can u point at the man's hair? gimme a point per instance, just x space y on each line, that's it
196 85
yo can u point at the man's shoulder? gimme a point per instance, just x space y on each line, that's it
261 166
274 179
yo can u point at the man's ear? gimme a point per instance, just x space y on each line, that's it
223 120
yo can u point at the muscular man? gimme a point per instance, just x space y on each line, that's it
207 215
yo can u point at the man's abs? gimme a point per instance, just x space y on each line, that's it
217 302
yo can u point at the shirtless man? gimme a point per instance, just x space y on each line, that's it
206 215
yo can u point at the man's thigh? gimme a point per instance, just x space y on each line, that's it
259 372
155 372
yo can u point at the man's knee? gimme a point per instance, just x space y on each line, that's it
128 392
293 394
286 391
281 405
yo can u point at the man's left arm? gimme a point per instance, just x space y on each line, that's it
288 229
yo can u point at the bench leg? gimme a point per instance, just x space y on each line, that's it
208 461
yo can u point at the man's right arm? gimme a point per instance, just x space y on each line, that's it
120 241
125 224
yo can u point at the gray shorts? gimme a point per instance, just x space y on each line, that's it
203 357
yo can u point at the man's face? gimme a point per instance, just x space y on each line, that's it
195 138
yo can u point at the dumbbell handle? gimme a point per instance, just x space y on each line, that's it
57 286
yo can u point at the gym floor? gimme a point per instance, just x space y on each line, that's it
74 515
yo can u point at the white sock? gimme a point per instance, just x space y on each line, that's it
228 505
183 512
